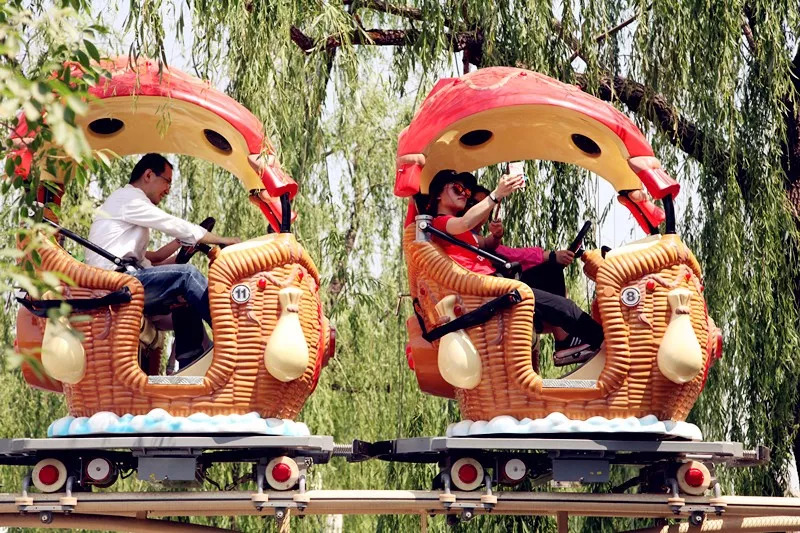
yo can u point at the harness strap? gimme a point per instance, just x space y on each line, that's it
40 307
509 269
474 318
123 264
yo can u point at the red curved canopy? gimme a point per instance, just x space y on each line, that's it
136 93
529 116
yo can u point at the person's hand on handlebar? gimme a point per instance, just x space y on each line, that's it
230 240
213 238
508 184
564 257
496 229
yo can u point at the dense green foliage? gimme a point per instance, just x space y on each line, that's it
333 101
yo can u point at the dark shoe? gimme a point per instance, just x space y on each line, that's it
187 359
571 356
570 345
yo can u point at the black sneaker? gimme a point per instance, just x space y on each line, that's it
187 359
572 357
570 345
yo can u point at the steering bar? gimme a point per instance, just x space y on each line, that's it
577 242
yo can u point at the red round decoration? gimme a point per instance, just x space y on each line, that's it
694 477
467 473
281 472
651 285
262 283
48 474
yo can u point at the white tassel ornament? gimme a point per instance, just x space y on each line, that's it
680 358
458 360
286 354
63 357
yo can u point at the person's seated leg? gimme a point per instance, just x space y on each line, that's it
585 334
165 284
191 341
546 276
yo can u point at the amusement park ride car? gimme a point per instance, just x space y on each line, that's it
627 405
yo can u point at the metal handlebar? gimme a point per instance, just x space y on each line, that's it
512 268
125 263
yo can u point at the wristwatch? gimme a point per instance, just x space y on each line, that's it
493 198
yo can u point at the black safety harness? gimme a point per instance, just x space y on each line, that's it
508 269
41 307
473 318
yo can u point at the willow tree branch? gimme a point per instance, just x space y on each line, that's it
385 7
380 37
609 32
407 12
302 40
748 23
375 37
791 149
574 44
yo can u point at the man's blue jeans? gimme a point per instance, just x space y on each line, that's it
166 286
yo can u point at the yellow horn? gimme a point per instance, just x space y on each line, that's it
63 357
286 354
459 361
680 358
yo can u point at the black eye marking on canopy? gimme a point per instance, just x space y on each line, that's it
106 126
218 141
476 137
586 145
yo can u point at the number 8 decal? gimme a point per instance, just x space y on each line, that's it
631 296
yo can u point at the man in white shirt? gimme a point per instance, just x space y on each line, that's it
122 227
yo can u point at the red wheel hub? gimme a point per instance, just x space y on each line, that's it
694 477
467 473
281 472
48 474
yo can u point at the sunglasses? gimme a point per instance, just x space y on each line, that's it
460 190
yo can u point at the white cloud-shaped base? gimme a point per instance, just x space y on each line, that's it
160 421
558 423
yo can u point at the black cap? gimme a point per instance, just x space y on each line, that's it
443 177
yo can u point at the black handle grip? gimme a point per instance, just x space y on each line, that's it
575 245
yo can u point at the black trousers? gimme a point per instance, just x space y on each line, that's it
554 308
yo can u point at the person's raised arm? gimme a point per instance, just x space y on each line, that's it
162 254
143 213
479 211
495 237
213 238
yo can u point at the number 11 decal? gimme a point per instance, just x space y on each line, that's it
240 293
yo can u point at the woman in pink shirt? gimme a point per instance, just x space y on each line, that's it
541 269
580 336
